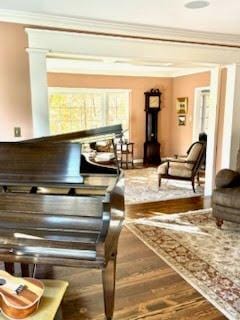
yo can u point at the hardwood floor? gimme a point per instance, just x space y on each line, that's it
146 288
169 206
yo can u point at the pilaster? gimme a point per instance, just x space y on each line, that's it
39 91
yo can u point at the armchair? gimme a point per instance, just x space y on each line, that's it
183 168
226 196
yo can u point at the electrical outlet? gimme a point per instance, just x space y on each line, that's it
17 132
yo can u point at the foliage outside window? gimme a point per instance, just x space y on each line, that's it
80 109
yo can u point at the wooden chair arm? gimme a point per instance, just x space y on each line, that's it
181 161
179 156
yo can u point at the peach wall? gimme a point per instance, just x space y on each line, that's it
15 104
137 85
184 86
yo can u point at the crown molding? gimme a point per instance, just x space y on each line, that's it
116 28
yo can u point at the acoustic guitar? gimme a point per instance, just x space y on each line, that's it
19 297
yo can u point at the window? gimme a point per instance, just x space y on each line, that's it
205 109
80 109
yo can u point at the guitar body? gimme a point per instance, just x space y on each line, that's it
19 303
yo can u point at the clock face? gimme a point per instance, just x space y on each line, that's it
154 102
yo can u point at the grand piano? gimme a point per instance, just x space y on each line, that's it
59 207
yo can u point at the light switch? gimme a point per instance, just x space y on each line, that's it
17 132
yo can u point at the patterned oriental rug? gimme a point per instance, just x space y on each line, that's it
141 185
206 257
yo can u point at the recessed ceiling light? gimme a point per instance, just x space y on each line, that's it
197 4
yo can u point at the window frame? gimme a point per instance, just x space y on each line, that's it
104 91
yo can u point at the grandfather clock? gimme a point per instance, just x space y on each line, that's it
151 145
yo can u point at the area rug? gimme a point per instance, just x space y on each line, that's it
205 256
141 185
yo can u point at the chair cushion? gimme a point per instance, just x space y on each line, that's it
162 169
193 154
180 171
175 169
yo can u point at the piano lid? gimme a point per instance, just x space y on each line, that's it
84 136
87 136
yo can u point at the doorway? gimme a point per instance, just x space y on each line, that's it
201 113
55 43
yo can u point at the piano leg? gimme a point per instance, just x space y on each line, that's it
72 192
25 270
116 156
33 190
108 275
9 267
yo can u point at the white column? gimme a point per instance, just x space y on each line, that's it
212 131
231 126
39 91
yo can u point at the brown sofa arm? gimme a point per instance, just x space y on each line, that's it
227 178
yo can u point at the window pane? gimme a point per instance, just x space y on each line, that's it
73 110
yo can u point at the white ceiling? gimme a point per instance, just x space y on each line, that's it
221 16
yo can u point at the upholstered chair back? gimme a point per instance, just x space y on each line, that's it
194 153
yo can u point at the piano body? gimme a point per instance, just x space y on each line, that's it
58 207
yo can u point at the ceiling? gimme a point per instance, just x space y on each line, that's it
220 16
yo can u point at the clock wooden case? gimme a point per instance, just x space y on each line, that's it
151 145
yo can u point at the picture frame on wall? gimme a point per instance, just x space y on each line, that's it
182 120
182 105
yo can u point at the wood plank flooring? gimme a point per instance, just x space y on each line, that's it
168 206
146 288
